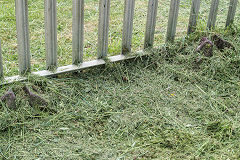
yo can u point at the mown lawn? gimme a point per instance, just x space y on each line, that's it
164 106
64 16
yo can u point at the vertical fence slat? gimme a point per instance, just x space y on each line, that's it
172 20
1 63
193 16
103 28
128 26
21 7
51 33
213 14
231 12
151 23
77 31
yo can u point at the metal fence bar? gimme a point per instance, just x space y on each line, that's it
1 63
151 23
128 26
213 14
231 12
193 16
172 20
77 31
103 28
74 68
21 7
51 33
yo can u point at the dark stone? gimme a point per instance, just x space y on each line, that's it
10 99
34 100
206 46
221 43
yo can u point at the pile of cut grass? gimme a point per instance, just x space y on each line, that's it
163 106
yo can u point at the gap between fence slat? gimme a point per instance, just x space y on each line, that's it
1 62
231 12
213 14
22 24
151 23
103 28
51 33
128 26
172 20
193 16
78 31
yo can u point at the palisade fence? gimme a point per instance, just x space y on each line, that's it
21 7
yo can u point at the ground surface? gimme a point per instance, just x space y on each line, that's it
64 20
165 106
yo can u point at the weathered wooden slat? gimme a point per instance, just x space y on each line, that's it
151 23
213 14
21 7
1 62
51 33
172 20
77 31
128 26
103 28
231 12
193 16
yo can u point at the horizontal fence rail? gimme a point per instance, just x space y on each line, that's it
73 68
50 14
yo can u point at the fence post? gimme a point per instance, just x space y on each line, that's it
21 9
151 23
231 12
127 26
193 16
51 33
1 63
172 20
103 28
77 31
213 14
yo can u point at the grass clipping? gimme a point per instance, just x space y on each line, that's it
166 105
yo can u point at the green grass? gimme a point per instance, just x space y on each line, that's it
164 106
64 16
